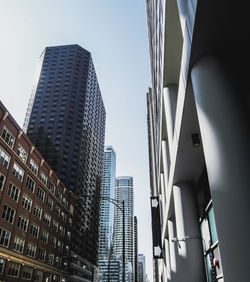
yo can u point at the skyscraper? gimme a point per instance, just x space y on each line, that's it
66 122
107 208
125 192
135 249
107 217
141 268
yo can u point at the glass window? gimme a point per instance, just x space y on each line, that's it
34 230
27 202
47 219
22 153
18 172
4 237
41 254
13 192
33 166
51 259
30 184
19 244
40 194
52 187
212 225
45 236
2 263
31 250
55 225
23 222
8 214
2 180
27 272
49 203
43 178
37 211
14 269
4 158
8 137
38 276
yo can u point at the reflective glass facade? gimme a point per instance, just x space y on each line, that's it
107 208
125 192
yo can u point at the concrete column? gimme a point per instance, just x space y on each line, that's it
170 100
167 260
172 252
163 190
225 138
165 160
188 239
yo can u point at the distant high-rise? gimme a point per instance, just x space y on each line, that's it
66 122
107 208
125 192
135 249
141 268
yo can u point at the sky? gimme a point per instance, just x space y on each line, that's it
115 32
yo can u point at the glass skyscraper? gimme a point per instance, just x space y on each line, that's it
65 120
107 208
125 192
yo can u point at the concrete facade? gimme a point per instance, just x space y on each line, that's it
198 129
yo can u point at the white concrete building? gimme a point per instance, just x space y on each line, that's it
198 125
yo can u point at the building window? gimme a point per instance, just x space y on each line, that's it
38 276
23 222
14 269
34 230
40 194
4 158
68 235
19 244
57 210
18 172
55 225
8 137
4 237
51 259
27 202
43 178
45 236
49 203
33 166
57 262
22 154
31 250
37 211
52 187
30 184
41 254
13 192
47 219
53 241
2 263
27 272
8 214
64 216
2 180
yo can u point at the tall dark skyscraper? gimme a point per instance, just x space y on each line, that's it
66 122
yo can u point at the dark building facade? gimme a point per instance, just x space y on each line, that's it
66 121
36 211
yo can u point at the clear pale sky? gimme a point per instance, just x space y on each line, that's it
115 32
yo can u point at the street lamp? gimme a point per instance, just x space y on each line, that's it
121 206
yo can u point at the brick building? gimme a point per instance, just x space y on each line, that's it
36 211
